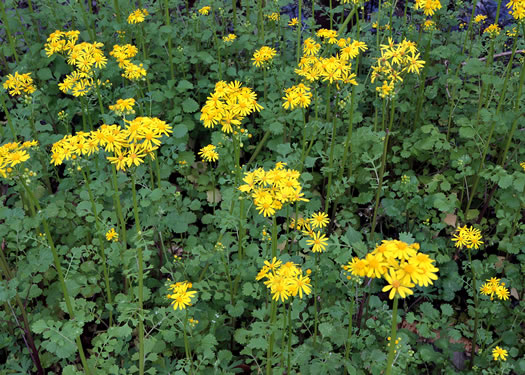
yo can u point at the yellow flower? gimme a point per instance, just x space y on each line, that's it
137 16
517 8
499 354
293 22
181 296
111 235
205 10
319 220
209 154
429 7
397 287
318 242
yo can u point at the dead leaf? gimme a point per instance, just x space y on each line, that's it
450 219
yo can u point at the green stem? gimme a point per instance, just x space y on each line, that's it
493 125
187 344
117 10
316 312
28 337
141 276
87 25
269 353
350 327
299 29
8 117
58 267
382 170
476 304
516 109
8 32
474 4
347 146
168 23
330 165
234 8
116 194
100 244
288 357
393 337
260 21
331 15
274 236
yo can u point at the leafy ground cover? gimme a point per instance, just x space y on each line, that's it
269 187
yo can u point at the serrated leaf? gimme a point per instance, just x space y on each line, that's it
184 85
180 130
189 105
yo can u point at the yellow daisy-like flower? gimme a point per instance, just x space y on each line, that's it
319 220
396 286
318 242
209 153
181 296
111 235
499 354
293 22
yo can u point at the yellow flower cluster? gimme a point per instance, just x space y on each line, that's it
492 30
329 36
355 2
209 153
297 96
12 154
228 105
468 237
129 146
181 295
19 83
61 42
273 16
123 107
284 280
517 8
111 235
332 69
123 54
429 25
493 286
137 16
429 6
205 10
396 60
229 38
499 353
399 263
317 240
522 164
263 55
85 57
272 189
480 18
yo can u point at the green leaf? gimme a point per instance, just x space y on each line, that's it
276 128
180 130
505 181
189 105
44 74
447 310
184 85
